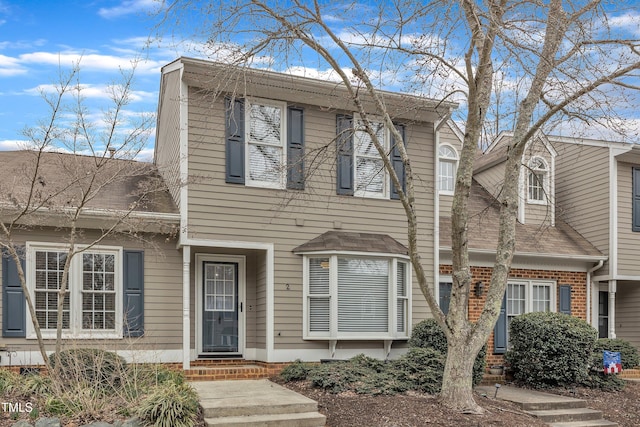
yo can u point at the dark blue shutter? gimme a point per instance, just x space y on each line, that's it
14 315
397 163
344 165
445 297
133 293
565 299
635 226
234 149
500 330
295 148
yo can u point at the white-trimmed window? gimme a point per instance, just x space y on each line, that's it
370 174
447 167
93 306
265 143
537 180
526 296
356 297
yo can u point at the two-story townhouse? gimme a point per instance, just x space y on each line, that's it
292 239
553 265
598 193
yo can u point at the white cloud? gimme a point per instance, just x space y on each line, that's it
128 7
91 61
94 92
13 144
10 66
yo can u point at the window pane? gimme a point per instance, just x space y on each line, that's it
370 175
265 163
319 275
49 268
265 124
363 295
447 175
319 314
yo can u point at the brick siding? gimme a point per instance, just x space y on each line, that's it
577 281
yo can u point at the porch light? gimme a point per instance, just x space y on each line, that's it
479 288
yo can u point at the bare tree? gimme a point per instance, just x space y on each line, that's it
68 170
558 62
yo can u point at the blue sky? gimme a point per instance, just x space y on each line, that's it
37 38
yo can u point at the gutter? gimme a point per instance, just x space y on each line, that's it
436 205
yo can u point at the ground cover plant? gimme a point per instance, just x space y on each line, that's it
87 385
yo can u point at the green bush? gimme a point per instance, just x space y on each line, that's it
628 352
550 349
337 376
100 368
428 334
602 381
420 369
170 405
296 371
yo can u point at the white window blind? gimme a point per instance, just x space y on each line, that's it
363 295
319 295
402 297
370 172
265 143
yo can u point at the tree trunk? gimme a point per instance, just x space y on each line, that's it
457 383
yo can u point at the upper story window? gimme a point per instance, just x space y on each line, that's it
360 170
370 174
635 199
537 181
264 144
447 167
354 297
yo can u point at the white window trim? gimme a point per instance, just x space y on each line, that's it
545 181
281 184
385 143
75 291
528 297
455 160
333 333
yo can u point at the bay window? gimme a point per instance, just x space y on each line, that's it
354 297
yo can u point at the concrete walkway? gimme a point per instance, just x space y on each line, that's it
255 403
555 410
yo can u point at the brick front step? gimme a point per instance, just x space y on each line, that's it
216 370
630 374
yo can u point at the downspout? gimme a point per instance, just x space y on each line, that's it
589 272
436 205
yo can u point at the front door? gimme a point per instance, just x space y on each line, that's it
220 317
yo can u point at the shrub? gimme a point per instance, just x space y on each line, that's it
428 334
296 371
602 381
420 369
337 376
628 352
93 366
170 405
550 349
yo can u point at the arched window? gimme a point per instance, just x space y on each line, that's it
447 166
538 174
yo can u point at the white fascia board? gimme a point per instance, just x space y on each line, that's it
355 253
229 244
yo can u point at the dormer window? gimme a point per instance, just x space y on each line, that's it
538 177
447 166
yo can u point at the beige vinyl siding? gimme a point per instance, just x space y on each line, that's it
168 140
261 301
235 212
162 293
627 309
582 192
628 240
